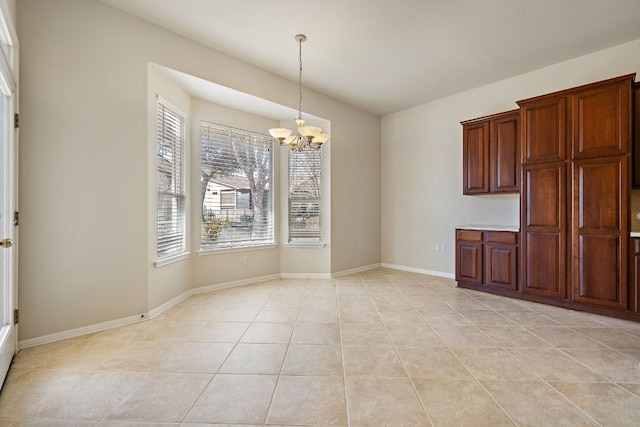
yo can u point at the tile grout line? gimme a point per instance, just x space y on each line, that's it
395 349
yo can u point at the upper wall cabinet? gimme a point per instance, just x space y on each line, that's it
490 151
545 130
594 118
600 120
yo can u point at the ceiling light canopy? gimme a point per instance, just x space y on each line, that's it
306 136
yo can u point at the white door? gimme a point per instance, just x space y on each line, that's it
8 191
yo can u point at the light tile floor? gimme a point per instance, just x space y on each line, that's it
378 348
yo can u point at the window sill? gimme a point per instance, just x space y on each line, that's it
306 244
170 260
205 252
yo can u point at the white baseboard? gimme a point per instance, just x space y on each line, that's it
419 270
305 275
167 305
355 270
103 326
209 288
233 284
98 327
84 330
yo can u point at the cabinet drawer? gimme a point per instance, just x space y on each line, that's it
507 237
469 235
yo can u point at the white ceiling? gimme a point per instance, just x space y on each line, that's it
387 55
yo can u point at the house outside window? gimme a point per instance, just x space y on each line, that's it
171 218
236 177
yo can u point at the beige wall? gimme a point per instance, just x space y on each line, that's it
422 199
85 253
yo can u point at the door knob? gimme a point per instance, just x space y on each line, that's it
6 243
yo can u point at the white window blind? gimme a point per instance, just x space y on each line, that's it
304 195
235 187
171 181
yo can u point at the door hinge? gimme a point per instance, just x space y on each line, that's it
16 316
16 218
16 120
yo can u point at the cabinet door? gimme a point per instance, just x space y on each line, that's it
469 256
634 280
544 230
501 264
475 154
601 120
599 231
505 154
636 135
544 124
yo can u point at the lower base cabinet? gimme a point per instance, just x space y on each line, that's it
634 276
487 258
501 259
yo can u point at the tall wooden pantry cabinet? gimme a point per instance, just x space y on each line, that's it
576 148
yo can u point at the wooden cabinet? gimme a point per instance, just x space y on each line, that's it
469 256
636 135
601 119
490 151
544 129
634 282
501 260
575 194
475 155
544 229
486 258
600 231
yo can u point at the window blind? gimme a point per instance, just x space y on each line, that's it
236 187
171 186
304 195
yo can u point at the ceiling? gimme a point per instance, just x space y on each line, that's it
384 56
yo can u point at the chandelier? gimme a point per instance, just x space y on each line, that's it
306 136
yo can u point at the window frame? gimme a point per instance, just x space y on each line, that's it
269 208
179 196
294 238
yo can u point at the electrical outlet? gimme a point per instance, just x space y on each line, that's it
443 247
353 246
245 261
437 247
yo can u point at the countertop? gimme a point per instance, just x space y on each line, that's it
634 234
493 227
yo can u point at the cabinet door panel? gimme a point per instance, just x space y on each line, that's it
501 266
475 148
598 279
544 130
634 280
505 153
469 262
544 229
601 121
636 136
543 196
600 230
598 195
544 263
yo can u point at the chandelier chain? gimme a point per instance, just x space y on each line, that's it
300 78
306 136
